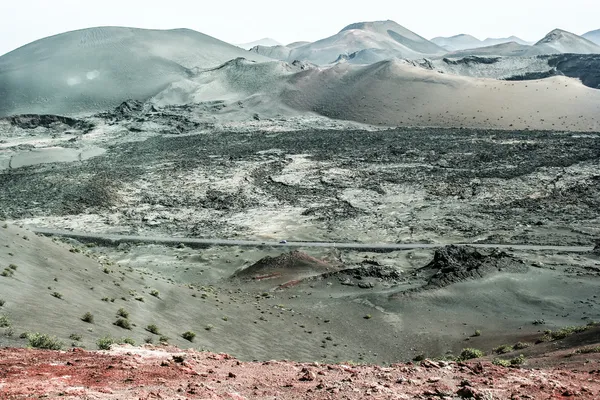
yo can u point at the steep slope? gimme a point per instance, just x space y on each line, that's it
387 36
395 93
559 41
593 36
262 42
457 42
95 69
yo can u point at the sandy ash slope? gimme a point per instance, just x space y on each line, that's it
396 93
97 68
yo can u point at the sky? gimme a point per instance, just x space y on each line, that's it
240 21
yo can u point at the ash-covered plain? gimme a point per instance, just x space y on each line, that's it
174 172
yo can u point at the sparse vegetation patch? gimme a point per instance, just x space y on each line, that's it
43 341
189 336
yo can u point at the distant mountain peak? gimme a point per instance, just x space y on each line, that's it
554 35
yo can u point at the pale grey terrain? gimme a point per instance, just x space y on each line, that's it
343 184
179 135
464 42
94 69
593 36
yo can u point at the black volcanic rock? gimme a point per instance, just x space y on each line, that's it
453 264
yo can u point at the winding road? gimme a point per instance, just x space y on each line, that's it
196 242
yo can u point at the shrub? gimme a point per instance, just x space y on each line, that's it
128 341
209 327
88 317
2 302
518 360
470 353
501 363
57 295
155 293
477 333
24 335
163 339
75 336
123 313
13 267
123 323
189 336
43 341
550 336
153 329
521 345
503 349
149 340
4 321
7 272
105 343
368 316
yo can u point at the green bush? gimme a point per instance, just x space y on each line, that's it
153 329
4 321
121 312
2 302
163 339
123 323
470 353
7 272
128 341
75 336
501 363
57 295
88 317
105 343
43 341
189 336
477 333
13 267
550 336
155 293
505 348
521 345
518 360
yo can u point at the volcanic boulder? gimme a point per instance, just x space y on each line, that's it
453 264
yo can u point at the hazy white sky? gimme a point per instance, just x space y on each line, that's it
238 21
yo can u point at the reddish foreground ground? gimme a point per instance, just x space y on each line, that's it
169 373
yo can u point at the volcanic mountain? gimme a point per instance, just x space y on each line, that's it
559 41
388 36
97 68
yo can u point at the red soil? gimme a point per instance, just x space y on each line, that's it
168 373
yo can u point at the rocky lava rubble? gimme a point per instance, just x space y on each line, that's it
169 373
